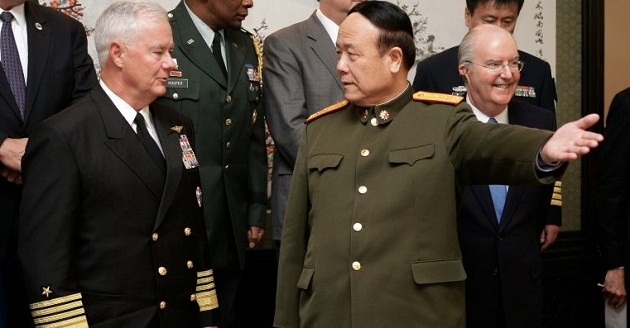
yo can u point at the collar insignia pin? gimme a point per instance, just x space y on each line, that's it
384 115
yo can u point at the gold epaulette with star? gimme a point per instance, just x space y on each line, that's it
66 311
435 97
206 294
330 109
556 197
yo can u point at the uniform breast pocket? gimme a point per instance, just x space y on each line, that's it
412 155
323 162
323 177
178 89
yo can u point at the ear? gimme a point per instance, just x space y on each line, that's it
463 72
117 53
468 18
395 56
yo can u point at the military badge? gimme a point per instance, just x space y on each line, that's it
188 155
384 115
46 291
252 73
198 194
459 91
177 128
525 91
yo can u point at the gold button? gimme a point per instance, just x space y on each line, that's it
362 189
228 122
187 231
154 236
357 227
175 95
189 264
162 305
365 152
162 271
228 99
374 121
356 266
228 145
193 297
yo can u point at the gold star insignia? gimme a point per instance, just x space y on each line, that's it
177 128
46 291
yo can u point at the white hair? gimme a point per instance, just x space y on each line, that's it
120 21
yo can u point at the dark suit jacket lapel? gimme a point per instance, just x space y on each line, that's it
484 199
321 44
173 154
38 48
5 92
193 46
511 205
124 143
514 192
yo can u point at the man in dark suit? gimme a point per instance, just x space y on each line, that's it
218 84
111 227
55 70
500 227
370 235
439 73
613 197
300 79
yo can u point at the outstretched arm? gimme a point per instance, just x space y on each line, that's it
571 141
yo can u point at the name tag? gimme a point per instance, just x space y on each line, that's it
177 83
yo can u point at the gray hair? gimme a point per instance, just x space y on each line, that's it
120 22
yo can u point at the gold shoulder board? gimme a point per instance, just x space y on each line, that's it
330 109
439 98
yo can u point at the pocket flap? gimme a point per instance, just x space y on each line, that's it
324 161
411 155
435 272
180 89
305 278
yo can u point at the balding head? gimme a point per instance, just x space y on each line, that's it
489 64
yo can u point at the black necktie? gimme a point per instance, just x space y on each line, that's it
149 143
11 61
216 52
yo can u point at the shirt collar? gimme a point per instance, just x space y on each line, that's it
124 108
387 111
481 117
206 32
331 27
18 15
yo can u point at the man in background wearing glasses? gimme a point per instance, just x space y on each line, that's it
499 226
439 73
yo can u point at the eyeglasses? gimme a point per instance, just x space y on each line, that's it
514 66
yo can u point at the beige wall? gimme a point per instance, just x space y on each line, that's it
616 48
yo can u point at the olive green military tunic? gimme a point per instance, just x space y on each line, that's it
370 236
